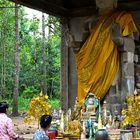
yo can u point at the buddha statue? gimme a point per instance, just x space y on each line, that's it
91 103
89 107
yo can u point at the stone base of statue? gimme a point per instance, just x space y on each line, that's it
86 115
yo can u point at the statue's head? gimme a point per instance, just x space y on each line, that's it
106 4
91 99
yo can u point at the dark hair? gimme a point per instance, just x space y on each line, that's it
3 106
45 121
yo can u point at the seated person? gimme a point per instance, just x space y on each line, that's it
45 123
6 124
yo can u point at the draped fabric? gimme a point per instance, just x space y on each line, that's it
98 59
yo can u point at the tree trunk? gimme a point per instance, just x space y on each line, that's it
35 51
44 55
49 51
17 64
2 66
3 69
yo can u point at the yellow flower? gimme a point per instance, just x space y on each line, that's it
46 96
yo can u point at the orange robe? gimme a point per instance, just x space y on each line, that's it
98 59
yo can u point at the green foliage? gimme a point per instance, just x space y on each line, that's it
31 76
29 92
31 55
23 103
55 103
7 32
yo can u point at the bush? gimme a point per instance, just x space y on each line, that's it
29 92
55 103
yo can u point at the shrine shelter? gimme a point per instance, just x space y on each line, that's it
77 17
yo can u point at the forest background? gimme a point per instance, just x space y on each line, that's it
29 56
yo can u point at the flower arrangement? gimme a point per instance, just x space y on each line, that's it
39 106
132 112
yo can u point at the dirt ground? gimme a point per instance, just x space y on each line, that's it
24 129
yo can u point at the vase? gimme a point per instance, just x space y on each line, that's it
101 134
52 133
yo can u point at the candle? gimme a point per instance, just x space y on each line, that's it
69 111
100 126
62 122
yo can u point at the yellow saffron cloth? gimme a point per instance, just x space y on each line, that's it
98 59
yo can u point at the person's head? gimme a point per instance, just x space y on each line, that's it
45 121
104 5
3 107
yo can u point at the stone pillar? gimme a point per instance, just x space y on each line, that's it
68 69
124 83
137 52
72 79
74 33
127 69
137 68
113 96
64 66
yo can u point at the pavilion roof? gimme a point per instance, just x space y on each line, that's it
66 8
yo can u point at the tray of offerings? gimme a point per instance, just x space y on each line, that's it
71 135
68 135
